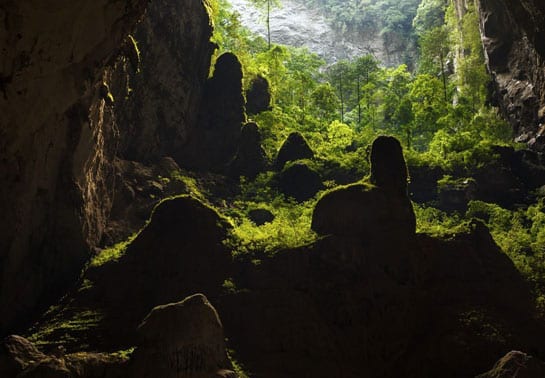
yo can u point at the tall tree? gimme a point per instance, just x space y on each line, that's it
434 46
266 6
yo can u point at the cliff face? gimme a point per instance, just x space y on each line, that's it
72 104
513 34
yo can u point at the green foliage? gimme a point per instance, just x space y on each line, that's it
289 229
112 253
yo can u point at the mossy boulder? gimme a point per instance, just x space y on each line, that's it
258 96
295 147
366 212
299 181
188 332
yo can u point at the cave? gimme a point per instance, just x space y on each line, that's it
128 135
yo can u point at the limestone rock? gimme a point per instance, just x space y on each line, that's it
258 96
513 35
250 159
53 159
299 181
178 253
184 338
516 364
214 142
364 212
20 358
156 118
295 147
381 210
16 354
260 216
388 168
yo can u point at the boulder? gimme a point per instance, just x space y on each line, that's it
371 211
516 364
258 96
250 159
20 358
181 339
455 194
295 147
299 181
16 354
365 212
260 216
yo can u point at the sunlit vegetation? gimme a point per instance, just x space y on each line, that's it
436 106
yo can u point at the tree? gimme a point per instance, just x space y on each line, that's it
434 47
364 69
427 107
267 5
339 75
430 15
325 101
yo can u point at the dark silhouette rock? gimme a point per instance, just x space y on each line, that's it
371 212
179 252
181 339
516 364
258 96
260 216
457 303
455 194
295 147
388 168
423 182
250 159
299 181
364 212
215 140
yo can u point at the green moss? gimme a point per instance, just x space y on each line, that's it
112 253
64 330
134 54
237 366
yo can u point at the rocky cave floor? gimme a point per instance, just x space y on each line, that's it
369 298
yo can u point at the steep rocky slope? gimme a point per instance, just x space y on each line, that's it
53 158
513 35
78 97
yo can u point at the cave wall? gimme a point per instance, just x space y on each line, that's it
513 34
60 134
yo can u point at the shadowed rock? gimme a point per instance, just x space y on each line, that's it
250 159
258 96
516 365
181 339
371 212
299 181
214 142
295 147
388 168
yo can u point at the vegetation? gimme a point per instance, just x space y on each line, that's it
436 106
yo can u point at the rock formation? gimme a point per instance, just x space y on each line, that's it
181 339
381 210
516 364
214 141
513 36
258 96
295 147
299 181
250 159
53 156
99 96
